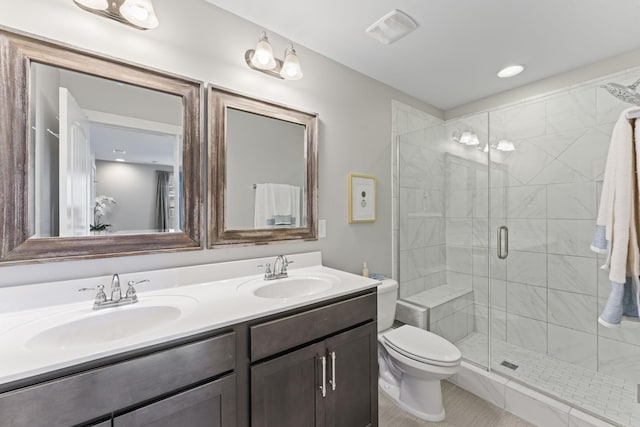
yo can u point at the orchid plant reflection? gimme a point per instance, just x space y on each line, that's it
101 208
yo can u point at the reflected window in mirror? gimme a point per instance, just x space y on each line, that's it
263 171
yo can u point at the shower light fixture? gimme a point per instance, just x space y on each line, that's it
261 59
504 145
135 13
510 71
466 138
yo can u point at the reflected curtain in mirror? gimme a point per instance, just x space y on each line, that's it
162 201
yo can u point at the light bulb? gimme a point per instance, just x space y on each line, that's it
140 13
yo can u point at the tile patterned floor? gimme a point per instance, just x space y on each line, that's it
463 410
591 391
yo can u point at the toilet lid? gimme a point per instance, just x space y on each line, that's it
423 346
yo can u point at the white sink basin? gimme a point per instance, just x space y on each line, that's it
89 327
291 287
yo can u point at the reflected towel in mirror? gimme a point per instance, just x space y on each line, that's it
277 205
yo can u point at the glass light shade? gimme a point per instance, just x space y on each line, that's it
504 145
94 4
263 54
466 138
140 13
291 69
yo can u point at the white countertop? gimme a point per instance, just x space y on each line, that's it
205 306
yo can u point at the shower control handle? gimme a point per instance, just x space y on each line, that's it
503 234
323 386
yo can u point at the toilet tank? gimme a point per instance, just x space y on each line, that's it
387 296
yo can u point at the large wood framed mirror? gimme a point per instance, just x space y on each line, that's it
99 157
263 171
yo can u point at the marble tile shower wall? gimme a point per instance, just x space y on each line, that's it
547 294
422 204
405 120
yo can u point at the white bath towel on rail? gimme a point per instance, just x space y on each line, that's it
277 205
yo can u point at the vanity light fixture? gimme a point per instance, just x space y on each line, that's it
135 13
261 59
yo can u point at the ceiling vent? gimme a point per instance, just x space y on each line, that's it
392 27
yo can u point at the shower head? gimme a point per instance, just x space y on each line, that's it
624 93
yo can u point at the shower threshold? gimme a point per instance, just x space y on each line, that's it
602 395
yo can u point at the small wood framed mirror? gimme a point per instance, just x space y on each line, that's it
263 171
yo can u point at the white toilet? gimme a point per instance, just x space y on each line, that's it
412 361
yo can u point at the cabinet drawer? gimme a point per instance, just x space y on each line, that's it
209 405
278 335
78 398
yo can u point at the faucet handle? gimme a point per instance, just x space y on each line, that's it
267 269
100 295
131 291
285 263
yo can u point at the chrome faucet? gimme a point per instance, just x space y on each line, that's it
281 273
116 291
117 299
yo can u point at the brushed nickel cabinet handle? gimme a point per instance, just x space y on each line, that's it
332 381
323 386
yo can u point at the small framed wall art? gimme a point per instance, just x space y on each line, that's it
362 198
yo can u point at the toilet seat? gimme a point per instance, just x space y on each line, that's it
423 346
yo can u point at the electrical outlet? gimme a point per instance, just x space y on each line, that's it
322 228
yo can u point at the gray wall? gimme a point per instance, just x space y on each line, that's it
133 187
200 41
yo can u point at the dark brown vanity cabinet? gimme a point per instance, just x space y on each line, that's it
312 366
332 381
189 384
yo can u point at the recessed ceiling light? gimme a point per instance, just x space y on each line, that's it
510 71
392 27
119 160
120 151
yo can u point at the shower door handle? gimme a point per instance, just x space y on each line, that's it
503 232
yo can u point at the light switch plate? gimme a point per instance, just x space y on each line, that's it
322 228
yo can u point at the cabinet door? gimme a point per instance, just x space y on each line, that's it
209 405
285 391
353 376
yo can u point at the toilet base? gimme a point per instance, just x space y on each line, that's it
422 399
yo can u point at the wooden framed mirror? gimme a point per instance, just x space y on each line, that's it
99 157
263 171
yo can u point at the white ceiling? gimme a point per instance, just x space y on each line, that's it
453 57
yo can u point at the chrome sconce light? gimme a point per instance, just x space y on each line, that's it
135 13
261 59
